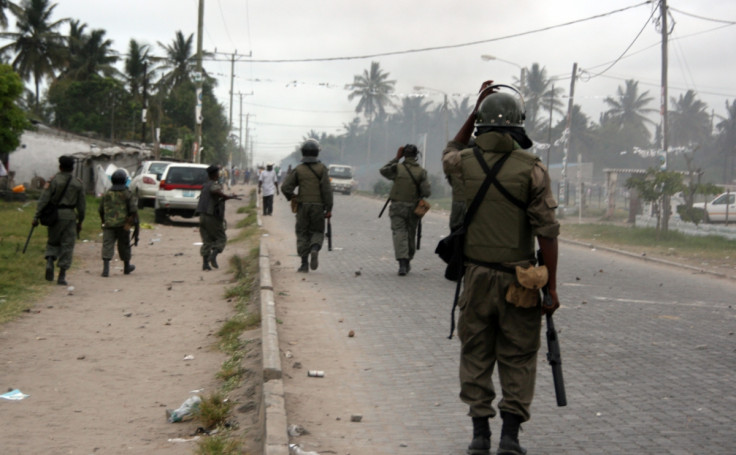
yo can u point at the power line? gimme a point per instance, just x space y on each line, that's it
702 17
449 46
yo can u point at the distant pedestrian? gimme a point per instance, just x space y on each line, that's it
314 204
211 209
118 213
410 185
67 193
268 184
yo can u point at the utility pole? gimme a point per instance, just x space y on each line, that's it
197 158
549 128
663 108
144 111
568 138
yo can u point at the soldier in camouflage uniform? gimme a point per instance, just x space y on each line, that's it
118 210
72 205
495 328
314 204
410 185
211 209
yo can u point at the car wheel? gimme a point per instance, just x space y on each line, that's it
160 217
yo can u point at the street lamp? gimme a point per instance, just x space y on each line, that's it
487 57
444 108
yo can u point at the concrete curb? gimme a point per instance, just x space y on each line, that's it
276 438
646 258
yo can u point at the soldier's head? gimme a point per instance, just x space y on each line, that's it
310 147
501 110
66 163
119 178
410 151
213 171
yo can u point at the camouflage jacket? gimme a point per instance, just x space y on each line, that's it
116 207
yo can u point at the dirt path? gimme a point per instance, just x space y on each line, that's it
102 359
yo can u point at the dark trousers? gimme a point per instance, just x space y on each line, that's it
268 205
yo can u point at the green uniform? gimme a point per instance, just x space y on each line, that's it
404 196
118 209
457 211
314 201
211 210
492 330
72 206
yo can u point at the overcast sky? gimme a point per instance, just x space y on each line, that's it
286 100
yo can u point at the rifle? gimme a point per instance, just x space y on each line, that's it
329 235
135 237
554 357
28 239
419 234
384 206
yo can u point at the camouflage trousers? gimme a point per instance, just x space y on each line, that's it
60 244
310 227
111 236
403 229
495 332
212 231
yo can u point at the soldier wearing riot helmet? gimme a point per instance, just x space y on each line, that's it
410 184
313 204
118 213
499 238
67 193
211 209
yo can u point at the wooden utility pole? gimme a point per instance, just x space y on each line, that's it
663 107
197 158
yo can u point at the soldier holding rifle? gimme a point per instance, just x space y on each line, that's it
500 307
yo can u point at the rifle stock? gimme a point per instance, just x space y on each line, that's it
554 358
419 234
329 235
28 239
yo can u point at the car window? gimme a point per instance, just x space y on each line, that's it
157 168
340 172
720 200
187 175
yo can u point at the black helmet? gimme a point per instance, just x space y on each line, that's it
119 178
310 147
499 109
410 151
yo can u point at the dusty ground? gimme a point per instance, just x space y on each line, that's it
102 359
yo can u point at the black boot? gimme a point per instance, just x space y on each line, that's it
481 443
105 267
213 257
62 277
314 257
206 263
408 265
402 267
304 268
128 267
49 268
509 444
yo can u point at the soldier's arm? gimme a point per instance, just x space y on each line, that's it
81 204
546 228
44 199
326 189
389 169
289 185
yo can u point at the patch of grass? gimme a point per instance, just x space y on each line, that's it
713 247
219 444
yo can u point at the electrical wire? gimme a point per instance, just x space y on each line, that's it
702 17
449 46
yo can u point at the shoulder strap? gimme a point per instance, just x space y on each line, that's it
496 183
419 191
313 171
61 196
490 178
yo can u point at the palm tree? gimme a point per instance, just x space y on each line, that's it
38 46
89 54
137 72
7 5
628 110
689 122
373 88
413 111
539 91
180 60
727 138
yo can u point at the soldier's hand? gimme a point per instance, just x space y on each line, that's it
554 302
400 152
34 223
328 214
483 93
79 228
485 85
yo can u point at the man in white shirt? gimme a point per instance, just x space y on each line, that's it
268 183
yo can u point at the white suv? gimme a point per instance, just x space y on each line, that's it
179 189
144 183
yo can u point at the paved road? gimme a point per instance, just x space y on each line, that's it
648 351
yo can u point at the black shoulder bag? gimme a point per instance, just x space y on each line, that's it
49 214
450 248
